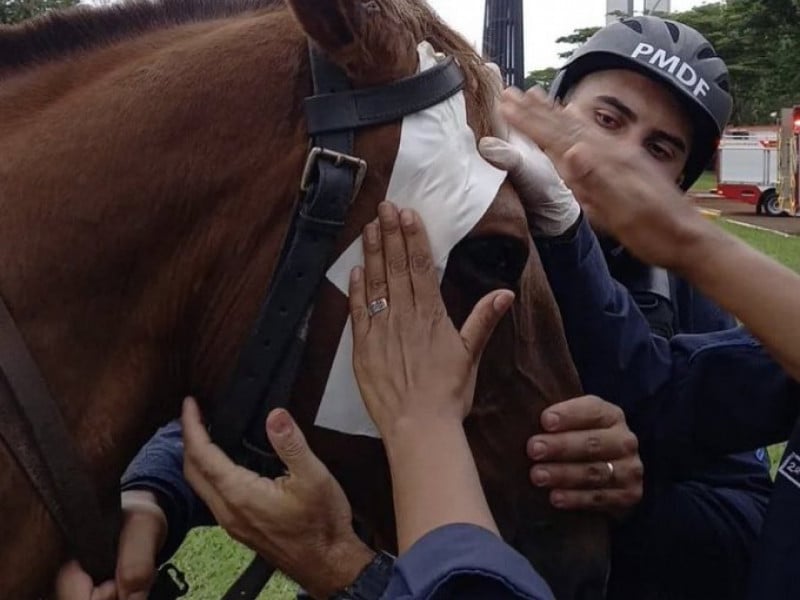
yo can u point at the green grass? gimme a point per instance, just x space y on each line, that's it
707 181
212 561
785 250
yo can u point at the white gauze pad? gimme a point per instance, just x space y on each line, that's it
440 174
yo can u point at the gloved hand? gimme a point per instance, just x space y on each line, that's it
549 204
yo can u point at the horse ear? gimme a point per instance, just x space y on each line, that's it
373 41
328 23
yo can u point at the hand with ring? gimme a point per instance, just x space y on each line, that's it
409 359
416 373
588 457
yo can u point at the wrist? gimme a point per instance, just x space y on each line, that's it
696 237
345 561
372 581
410 432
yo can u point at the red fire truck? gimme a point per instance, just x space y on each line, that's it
759 165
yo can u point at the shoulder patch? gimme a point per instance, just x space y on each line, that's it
790 469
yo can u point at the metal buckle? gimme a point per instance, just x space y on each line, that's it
338 159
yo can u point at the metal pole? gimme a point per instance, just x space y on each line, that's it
503 39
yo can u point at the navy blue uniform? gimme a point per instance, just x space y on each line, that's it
693 534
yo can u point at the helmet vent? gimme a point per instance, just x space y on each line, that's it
633 24
724 83
706 53
674 32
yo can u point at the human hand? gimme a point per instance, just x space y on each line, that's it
640 207
549 204
588 457
301 523
144 529
411 363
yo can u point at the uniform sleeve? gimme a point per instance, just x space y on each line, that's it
614 352
158 468
465 562
717 393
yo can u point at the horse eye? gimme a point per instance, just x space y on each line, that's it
489 262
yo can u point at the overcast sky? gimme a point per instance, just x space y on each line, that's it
545 21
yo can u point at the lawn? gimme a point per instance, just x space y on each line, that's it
707 181
211 560
783 249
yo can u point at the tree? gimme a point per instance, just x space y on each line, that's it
760 42
14 11
542 77
577 38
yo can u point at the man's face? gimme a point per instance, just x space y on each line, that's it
632 109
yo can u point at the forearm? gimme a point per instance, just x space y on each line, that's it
758 290
434 478
614 351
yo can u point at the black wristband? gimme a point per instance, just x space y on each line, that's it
371 583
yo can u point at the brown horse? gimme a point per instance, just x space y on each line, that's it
150 156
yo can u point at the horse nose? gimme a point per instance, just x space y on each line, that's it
489 262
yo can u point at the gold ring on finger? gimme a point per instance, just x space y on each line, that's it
610 466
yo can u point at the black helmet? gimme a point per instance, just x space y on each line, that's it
670 52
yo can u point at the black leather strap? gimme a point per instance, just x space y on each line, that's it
320 218
251 581
34 430
379 105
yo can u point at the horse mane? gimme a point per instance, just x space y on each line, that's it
446 40
59 33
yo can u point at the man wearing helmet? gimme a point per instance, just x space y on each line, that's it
645 83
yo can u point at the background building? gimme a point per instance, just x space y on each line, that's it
614 8
656 6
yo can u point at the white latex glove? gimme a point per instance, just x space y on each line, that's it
549 204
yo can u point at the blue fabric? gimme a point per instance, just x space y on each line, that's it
158 467
464 562
692 395
775 573
689 399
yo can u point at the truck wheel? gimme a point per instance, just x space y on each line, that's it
769 202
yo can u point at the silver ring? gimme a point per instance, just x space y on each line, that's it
377 306
610 466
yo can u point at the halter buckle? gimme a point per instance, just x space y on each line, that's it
338 159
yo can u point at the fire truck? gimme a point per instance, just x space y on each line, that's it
759 165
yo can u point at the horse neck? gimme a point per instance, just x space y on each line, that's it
133 278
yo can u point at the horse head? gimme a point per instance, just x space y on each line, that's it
151 156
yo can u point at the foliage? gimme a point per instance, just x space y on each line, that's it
575 39
758 39
14 11
760 42
542 77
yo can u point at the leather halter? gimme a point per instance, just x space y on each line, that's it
270 358
33 428
31 423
